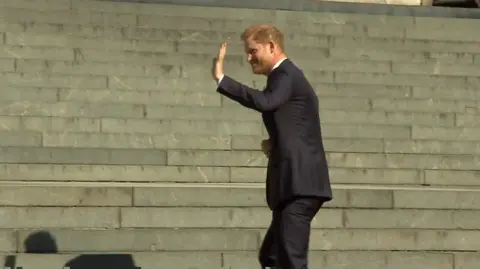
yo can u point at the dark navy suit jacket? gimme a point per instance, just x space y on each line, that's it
297 165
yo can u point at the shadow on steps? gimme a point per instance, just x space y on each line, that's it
43 242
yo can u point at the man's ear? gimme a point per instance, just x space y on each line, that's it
271 46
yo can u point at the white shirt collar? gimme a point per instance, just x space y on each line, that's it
278 63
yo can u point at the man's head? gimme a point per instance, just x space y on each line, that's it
264 47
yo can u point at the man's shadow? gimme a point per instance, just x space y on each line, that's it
102 261
44 242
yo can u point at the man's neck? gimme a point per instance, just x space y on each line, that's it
278 61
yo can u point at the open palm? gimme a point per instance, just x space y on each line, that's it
217 68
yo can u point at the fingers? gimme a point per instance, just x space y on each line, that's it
223 49
223 46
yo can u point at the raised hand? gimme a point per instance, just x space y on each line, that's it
217 68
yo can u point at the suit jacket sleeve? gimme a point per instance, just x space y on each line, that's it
277 92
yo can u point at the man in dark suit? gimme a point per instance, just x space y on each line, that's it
297 175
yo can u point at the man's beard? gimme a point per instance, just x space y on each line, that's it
257 68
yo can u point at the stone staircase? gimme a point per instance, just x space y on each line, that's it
115 142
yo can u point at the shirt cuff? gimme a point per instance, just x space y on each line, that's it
220 80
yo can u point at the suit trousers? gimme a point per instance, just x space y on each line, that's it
286 242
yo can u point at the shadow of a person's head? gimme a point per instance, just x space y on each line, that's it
102 261
40 242
44 242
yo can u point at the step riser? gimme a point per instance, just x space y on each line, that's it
146 77
153 240
156 39
174 121
230 218
241 260
59 61
106 13
202 174
337 138
363 6
232 174
223 158
385 111
165 39
150 84
202 195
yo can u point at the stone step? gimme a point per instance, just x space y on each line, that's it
194 71
193 52
379 111
362 141
228 217
54 88
160 36
336 159
56 64
341 137
363 79
259 10
174 40
44 155
232 239
186 63
323 90
226 158
62 88
151 217
243 259
209 174
359 78
42 5
370 106
337 138
90 65
249 124
329 95
125 14
333 221
228 195
218 174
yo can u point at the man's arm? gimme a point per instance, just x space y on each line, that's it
235 98
276 93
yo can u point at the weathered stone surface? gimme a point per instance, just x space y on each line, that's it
127 240
58 217
114 103
64 155
180 260
242 259
116 173
64 196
